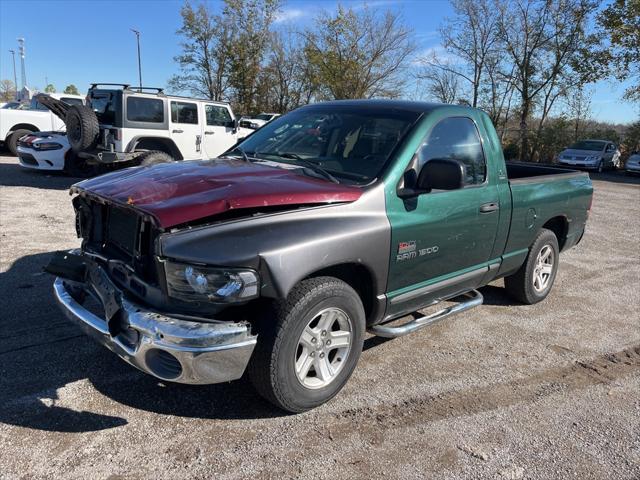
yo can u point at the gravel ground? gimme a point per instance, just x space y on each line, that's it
503 391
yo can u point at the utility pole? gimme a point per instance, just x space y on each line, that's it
15 78
23 70
139 63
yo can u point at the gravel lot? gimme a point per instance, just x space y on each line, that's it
503 391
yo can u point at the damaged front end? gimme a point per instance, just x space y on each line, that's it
177 348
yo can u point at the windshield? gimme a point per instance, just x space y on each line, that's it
588 145
353 144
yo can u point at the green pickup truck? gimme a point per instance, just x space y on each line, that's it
333 220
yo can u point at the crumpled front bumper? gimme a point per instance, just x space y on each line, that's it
169 348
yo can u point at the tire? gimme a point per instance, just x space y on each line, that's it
153 157
12 141
75 166
82 128
523 285
600 167
308 309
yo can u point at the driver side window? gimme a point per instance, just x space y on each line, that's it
456 138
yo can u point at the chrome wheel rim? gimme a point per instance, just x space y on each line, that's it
543 269
323 348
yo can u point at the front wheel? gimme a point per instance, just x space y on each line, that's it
600 166
533 281
310 345
12 141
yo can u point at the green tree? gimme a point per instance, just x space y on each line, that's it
620 23
251 20
71 90
359 53
50 88
206 47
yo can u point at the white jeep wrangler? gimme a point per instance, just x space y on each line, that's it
143 126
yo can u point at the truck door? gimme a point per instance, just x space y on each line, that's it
219 133
443 239
185 129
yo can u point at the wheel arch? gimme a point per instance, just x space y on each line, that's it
361 279
22 126
559 225
162 144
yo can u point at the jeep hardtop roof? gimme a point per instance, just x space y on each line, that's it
157 91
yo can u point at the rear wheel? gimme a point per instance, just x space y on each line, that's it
12 141
153 157
533 281
310 345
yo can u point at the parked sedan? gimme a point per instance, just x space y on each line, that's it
633 163
591 155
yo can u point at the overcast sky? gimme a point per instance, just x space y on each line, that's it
81 41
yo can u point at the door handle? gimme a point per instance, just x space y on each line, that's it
489 207
209 132
178 131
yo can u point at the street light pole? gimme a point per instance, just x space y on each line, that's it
15 77
139 62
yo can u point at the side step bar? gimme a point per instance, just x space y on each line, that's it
475 299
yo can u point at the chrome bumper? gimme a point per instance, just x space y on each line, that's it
168 348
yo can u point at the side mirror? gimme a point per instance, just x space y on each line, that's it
436 174
442 174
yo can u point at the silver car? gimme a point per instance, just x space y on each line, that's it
633 163
591 155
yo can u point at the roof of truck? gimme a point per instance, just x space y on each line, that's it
409 105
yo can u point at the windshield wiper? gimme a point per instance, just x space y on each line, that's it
242 152
310 165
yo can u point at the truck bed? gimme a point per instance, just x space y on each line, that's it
526 172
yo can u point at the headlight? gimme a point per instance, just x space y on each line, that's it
46 146
592 159
255 126
195 283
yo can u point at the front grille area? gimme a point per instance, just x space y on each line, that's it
28 159
117 234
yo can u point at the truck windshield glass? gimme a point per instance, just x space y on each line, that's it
351 143
587 145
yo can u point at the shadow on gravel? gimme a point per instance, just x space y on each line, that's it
13 175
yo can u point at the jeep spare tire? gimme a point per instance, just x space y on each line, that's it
82 128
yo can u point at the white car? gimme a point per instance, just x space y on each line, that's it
591 155
633 163
258 121
43 150
15 123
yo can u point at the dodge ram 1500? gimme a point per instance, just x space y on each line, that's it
333 220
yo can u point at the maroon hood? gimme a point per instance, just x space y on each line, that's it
180 192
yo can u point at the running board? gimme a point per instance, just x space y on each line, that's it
475 299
